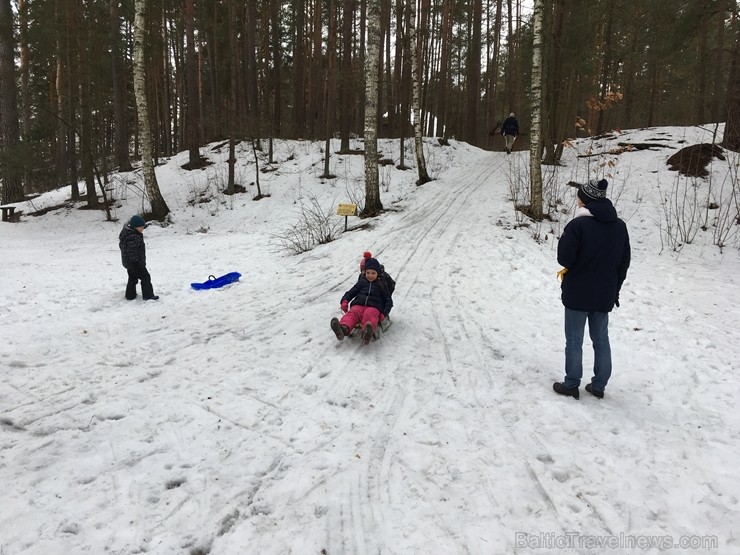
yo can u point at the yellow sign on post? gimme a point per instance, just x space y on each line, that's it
347 209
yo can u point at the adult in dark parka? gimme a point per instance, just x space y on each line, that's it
595 250
510 129
133 258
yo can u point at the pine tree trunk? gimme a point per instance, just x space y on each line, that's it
731 138
535 167
405 66
444 69
276 69
233 67
421 164
10 169
158 205
373 205
346 90
25 75
86 126
191 76
473 75
251 69
329 88
299 68
119 104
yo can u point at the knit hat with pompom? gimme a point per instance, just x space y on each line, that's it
365 256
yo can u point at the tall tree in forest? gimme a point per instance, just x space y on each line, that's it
84 59
606 66
415 47
277 62
373 206
535 165
473 74
233 68
299 68
71 88
10 172
329 88
191 77
731 138
252 71
404 57
443 89
492 69
158 205
346 79
120 123
25 75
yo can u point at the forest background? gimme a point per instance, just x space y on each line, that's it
265 69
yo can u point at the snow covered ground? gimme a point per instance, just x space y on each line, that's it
231 421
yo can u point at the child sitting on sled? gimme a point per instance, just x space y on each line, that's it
367 303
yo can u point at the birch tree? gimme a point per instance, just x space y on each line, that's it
158 205
373 206
535 167
421 164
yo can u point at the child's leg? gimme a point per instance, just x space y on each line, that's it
353 317
371 315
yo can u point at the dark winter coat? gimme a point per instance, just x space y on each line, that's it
133 250
596 251
370 293
510 126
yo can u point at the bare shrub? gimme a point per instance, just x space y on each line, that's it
724 206
681 215
316 225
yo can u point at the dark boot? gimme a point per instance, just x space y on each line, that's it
558 387
339 330
367 334
595 392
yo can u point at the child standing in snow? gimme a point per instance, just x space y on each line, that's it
133 258
367 303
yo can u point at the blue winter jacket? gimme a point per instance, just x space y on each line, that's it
596 251
370 293
510 126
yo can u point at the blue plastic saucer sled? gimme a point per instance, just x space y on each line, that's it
216 282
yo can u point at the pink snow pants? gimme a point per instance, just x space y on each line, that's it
361 314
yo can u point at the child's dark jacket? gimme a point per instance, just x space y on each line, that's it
370 293
133 250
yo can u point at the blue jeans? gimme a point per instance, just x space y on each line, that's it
598 329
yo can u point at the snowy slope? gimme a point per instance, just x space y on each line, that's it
231 421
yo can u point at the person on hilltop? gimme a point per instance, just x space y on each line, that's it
510 129
595 253
133 258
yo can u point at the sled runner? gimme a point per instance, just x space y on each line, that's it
216 282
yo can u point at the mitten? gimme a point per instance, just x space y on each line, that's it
345 306
382 316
